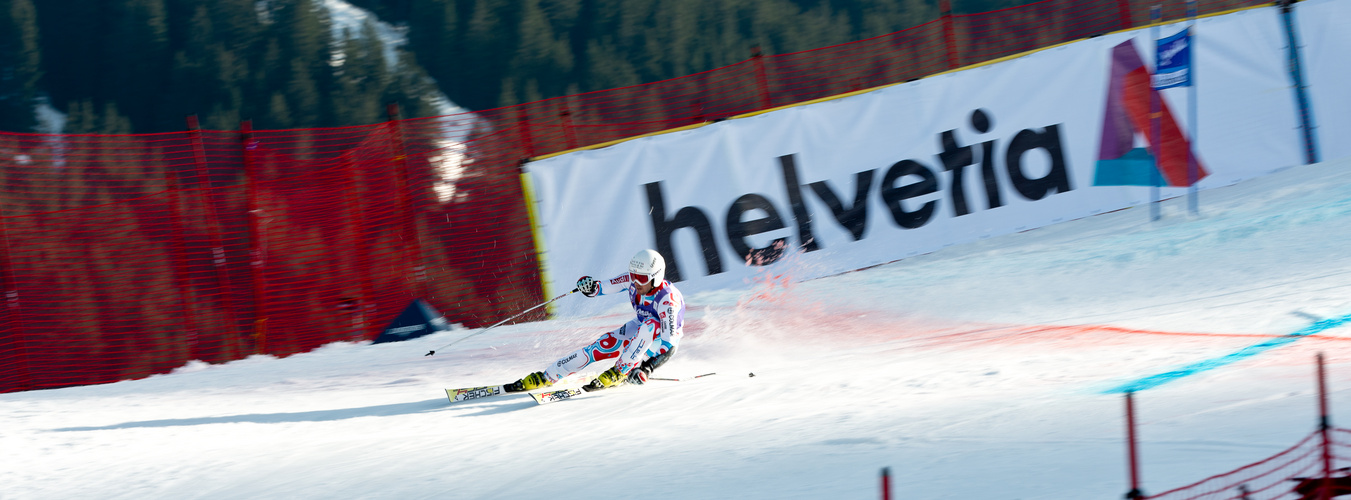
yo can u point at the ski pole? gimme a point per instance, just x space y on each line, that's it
681 379
499 323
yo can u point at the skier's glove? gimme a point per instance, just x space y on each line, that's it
588 286
638 375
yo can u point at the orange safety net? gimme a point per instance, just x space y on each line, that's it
125 256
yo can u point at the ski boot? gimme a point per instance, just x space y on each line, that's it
529 383
605 380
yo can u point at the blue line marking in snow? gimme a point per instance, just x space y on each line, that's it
1153 381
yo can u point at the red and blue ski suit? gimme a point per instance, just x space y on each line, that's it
656 330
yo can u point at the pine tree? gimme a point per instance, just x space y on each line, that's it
84 117
273 60
231 74
272 70
222 118
113 122
607 68
540 54
485 46
302 29
279 113
136 60
412 88
237 23
434 34
362 79
80 117
20 65
72 32
303 94
191 78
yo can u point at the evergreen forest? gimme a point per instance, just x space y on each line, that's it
141 66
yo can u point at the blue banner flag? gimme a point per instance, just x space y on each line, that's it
1173 68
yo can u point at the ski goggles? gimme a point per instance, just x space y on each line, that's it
640 279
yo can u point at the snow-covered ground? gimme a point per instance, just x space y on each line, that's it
981 371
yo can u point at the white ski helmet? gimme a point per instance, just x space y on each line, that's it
648 263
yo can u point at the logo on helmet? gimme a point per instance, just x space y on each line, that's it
647 265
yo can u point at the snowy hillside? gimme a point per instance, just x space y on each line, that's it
981 371
348 19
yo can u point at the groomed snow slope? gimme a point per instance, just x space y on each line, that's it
980 371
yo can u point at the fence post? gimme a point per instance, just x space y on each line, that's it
1135 492
523 124
412 242
949 37
565 115
1123 9
1325 488
257 248
14 327
217 246
356 215
180 253
886 483
761 82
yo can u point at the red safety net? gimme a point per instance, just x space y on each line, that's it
1294 473
124 256
1269 478
767 81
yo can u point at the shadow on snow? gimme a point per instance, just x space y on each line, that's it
427 406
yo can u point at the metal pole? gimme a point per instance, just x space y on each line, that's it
257 234
1297 76
1155 142
1324 489
1130 446
218 259
886 483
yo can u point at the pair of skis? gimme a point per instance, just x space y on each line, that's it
540 397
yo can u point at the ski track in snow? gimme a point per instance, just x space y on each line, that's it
980 371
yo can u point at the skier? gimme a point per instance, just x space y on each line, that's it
640 345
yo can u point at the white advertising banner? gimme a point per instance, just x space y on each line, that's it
844 184
1326 61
